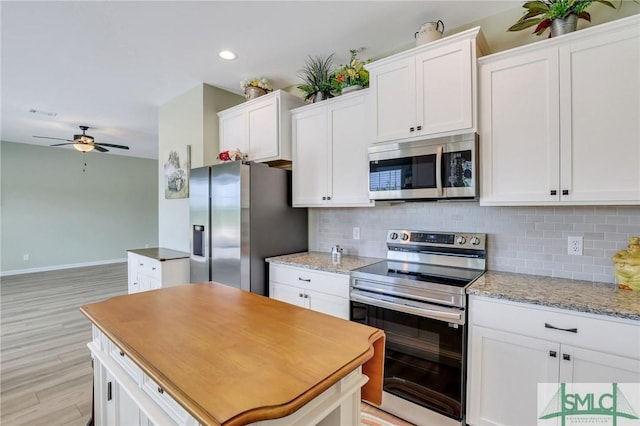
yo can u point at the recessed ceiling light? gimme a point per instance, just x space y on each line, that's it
227 55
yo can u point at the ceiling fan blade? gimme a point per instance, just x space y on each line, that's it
57 139
111 145
60 144
99 148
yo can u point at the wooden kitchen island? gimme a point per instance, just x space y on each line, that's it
215 355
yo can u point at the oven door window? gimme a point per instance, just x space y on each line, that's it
457 169
423 357
403 173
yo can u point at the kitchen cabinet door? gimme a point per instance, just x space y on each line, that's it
262 118
520 140
310 157
504 372
327 304
579 365
233 132
600 110
394 107
349 159
288 294
444 89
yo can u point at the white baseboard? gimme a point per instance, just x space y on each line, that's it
57 267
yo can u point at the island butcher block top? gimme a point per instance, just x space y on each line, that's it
232 357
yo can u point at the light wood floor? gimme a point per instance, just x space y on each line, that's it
45 366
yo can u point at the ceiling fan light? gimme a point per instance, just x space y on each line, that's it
83 147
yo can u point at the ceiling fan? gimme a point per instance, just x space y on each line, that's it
84 142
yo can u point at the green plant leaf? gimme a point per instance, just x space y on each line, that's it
521 25
537 6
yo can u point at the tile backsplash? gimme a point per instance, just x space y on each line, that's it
528 240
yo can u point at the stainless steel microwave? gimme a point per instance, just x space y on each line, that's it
430 169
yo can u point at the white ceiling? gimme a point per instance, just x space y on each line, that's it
110 64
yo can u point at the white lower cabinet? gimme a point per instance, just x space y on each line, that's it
146 273
514 346
316 290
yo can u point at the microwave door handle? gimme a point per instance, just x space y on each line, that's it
439 150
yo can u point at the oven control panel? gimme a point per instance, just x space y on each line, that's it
436 239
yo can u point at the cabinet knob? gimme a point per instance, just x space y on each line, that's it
566 357
553 192
160 390
306 296
565 192
324 198
553 354
300 295
121 353
328 198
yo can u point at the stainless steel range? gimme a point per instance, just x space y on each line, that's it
418 297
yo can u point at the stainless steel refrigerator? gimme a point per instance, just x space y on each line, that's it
240 214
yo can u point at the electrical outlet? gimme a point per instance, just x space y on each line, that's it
574 246
25 257
356 232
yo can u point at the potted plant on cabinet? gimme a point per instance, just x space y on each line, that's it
255 87
316 78
561 16
352 76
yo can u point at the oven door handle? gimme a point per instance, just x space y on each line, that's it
422 312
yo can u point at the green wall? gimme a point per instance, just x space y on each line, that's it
61 216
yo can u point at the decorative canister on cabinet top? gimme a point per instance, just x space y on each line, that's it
429 31
627 265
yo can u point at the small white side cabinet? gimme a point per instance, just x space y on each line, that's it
316 290
330 160
559 119
153 268
260 128
427 91
515 346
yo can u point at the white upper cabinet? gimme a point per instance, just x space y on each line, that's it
260 128
559 120
330 159
427 91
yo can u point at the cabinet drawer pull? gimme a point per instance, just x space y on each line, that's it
121 353
565 192
109 395
570 330
553 192
153 269
324 198
553 354
328 198
412 129
419 128
160 390
566 357
307 280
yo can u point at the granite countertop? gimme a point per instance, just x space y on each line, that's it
322 261
160 253
574 295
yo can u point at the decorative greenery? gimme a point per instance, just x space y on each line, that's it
352 74
541 13
256 82
316 76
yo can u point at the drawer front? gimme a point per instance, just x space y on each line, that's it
125 362
308 279
557 325
149 267
168 404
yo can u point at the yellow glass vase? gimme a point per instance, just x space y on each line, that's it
627 265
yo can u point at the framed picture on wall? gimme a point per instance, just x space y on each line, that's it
176 173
